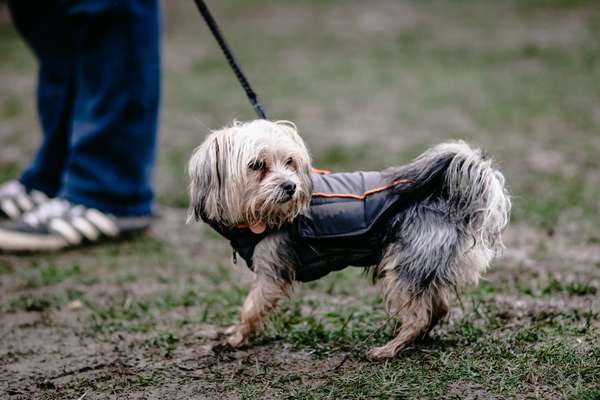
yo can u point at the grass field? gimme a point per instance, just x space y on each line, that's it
369 84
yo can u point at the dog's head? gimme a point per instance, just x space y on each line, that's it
255 173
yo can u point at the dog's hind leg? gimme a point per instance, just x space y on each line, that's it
419 301
419 312
439 307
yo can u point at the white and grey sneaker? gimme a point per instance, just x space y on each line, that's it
15 200
58 224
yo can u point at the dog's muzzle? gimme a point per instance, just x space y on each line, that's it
288 188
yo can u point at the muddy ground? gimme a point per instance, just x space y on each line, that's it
369 84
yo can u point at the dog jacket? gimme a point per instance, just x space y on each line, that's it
345 224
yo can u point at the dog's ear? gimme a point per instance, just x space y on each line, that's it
290 129
205 174
303 157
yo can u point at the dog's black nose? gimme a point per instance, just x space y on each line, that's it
289 188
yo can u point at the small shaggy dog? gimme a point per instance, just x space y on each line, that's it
427 228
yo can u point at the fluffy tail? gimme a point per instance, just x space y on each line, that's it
463 195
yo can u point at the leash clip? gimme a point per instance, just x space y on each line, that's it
234 257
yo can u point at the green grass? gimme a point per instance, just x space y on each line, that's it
484 349
40 303
8 171
14 56
46 275
572 288
502 368
166 341
5 268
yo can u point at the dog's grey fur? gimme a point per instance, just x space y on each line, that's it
449 237
443 241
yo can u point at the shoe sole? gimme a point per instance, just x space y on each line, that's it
20 242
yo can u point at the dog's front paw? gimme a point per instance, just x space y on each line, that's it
235 337
231 330
237 340
382 353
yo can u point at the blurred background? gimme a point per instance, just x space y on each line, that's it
369 84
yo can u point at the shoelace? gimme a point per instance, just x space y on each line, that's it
11 189
72 222
55 208
15 200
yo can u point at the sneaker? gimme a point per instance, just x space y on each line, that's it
58 224
15 200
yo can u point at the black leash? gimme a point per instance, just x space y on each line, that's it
237 70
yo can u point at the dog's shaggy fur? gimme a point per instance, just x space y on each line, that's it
258 174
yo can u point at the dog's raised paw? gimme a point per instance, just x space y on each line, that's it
381 353
231 330
236 340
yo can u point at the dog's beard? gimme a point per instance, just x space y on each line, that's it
268 204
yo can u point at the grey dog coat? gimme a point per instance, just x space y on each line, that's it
345 224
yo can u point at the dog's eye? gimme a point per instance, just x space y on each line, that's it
289 162
257 165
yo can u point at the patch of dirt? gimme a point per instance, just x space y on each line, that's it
470 391
53 352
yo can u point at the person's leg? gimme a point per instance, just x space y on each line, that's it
112 127
114 131
45 27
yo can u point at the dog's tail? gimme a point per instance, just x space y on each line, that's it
459 192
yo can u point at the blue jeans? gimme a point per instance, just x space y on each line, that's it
98 99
